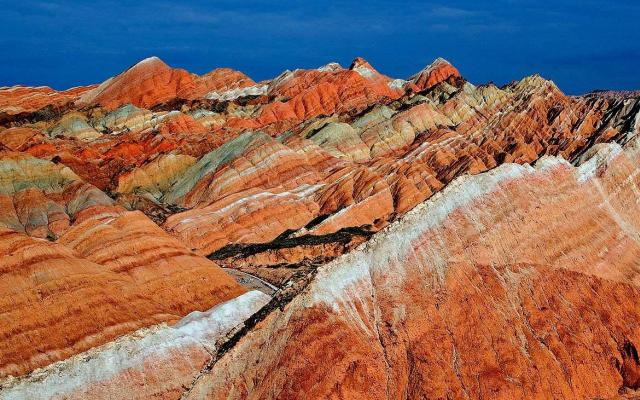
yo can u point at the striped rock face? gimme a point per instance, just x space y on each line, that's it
103 272
24 99
519 282
407 238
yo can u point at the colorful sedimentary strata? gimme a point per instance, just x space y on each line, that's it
328 233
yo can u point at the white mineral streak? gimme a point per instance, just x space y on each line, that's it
330 67
598 157
334 283
364 71
256 90
397 84
198 329
337 285
210 213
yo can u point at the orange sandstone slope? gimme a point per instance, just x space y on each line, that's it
104 271
521 282
145 84
23 99
151 82
480 276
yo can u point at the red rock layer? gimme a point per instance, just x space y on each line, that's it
139 140
355 169
41 198
111 273
218 80
343 153
23 99
438 71
145 84
20 139
151 82
304 94
519 282
414 151
128 136
157 362
107 262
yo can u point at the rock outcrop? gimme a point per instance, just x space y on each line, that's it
105 261
520 282
420 237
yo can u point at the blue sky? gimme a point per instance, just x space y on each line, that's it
580 44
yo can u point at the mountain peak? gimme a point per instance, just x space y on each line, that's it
359 62
148 64
439 61
146 83
330 67
534 82
362 66
149 60
438 71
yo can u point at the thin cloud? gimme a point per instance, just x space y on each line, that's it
452 12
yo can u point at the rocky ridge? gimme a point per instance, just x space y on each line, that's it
130 184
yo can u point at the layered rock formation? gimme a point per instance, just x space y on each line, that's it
151 82
157 362
517 283
105 261
460 270
23 99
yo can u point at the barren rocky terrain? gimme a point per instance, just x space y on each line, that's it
329 233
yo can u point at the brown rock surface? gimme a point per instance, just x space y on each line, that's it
483 291
107 262
145 84
279 177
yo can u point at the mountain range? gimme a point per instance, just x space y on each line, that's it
329 233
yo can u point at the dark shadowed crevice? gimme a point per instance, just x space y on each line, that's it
630 366
283 241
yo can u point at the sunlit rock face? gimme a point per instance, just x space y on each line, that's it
156 362
100 260
41 198
24 99
518 282
53 292
438 71
145 84
151 82
381 163
417 237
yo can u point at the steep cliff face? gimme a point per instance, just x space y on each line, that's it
516 283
